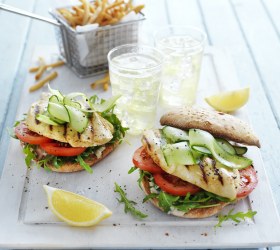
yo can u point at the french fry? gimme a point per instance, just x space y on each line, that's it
107 16
41 70
102 12
106 86
115 4
91 8
67 15
129 5
102 81
52 65
98 3
78 10
86 12
41 83
33 69
138 8
93 17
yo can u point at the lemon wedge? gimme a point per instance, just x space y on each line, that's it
75 209
229 101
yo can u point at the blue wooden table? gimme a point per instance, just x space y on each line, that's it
248 29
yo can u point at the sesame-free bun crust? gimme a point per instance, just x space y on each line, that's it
218 124
195 213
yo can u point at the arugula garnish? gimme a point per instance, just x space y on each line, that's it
128 204
28 150
132 169
44 162
142 174
237 217
166 201
81 161
150 196
57 161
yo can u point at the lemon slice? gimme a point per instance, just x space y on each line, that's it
75 209
229 101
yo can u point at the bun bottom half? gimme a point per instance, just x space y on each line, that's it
69 167
195 213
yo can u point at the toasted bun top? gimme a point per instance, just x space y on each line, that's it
217 123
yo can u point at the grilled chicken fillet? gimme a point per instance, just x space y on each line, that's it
208 175
98 132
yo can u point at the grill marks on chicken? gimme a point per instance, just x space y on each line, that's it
210 175
98 132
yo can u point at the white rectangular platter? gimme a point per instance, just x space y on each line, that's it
27 222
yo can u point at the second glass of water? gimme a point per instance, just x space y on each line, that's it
182 47
135 74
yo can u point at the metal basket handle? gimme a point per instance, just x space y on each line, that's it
29 14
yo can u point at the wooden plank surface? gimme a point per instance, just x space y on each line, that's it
272 9
226 32
24 35
265 54
14 30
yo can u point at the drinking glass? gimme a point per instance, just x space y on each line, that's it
182 47
135 74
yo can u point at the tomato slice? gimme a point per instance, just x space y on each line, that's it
143 160
174 185
249 181
61 149
24 134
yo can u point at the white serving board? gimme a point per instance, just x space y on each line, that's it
27 222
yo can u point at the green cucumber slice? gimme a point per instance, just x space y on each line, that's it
58 111
78 120
204 139
240 150
233 150
197 155
226 146
73 95
70 101
175 134
46 119
60 122
56 93
105 106
54 99
202 150
178 154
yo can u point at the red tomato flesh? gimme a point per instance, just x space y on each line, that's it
143 160
61 149
24 134
249 181
174 185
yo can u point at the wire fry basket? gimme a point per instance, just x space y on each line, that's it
86 51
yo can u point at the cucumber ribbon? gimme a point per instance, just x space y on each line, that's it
204 142
177 150
73 108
